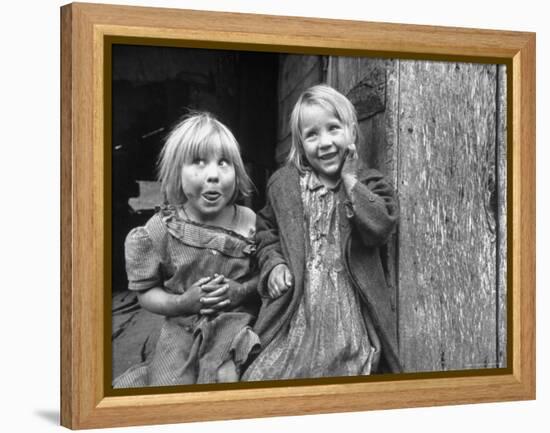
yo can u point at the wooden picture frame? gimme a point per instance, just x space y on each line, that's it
85 214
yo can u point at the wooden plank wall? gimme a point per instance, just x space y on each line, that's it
502 229
440 138
447 239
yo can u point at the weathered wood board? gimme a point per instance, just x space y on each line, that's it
502 177
292 71
447 237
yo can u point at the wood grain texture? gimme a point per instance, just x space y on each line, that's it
85 401
390 163
218 405
447 268
347 74
523 218
502 234
68 396
292 70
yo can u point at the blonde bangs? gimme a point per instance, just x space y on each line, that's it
199 136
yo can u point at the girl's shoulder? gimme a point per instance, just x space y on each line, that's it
147 235
245 213
144 232
138 240
286 175
245 221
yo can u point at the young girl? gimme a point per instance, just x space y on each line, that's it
326 308
191 262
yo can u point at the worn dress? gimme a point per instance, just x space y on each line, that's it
173 253
327 335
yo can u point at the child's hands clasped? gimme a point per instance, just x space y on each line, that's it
189 301
219 293
279 281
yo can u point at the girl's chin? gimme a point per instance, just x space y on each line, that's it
331 171
207 210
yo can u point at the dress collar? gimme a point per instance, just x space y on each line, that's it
313 182
200 235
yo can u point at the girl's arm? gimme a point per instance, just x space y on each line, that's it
143 265
268 250
249 287
228 295
159 301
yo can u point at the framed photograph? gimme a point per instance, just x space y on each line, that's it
383 258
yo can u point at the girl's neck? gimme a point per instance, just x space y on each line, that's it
224 219
329 182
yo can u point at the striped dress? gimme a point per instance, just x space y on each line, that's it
174 253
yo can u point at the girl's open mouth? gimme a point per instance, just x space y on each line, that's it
211 195
328 156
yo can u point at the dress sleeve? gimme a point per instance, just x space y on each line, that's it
374 210
142 261
268 250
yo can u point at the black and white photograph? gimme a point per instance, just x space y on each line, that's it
275 216
282 216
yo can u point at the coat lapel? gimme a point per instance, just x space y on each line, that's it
291 220
286 201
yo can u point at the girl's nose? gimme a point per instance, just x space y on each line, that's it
325 139
212 173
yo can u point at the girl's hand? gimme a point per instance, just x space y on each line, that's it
222 292
190 300
351 163
213 295
350 167
279 281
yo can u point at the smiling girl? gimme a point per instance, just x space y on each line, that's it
192 261
326 307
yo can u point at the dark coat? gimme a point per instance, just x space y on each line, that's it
364 227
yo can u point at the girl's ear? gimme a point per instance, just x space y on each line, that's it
353 133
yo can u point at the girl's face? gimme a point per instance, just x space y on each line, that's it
325 140
208 182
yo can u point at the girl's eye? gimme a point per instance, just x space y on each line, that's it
223 163
198 161
310 135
